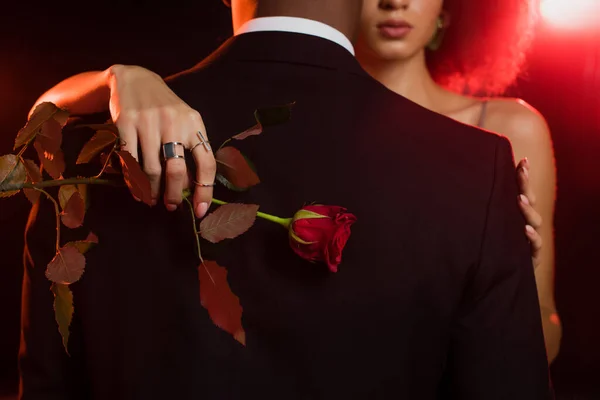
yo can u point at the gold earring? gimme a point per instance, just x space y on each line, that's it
436 41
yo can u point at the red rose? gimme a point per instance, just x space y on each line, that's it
319 233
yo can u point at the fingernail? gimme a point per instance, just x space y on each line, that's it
201 210
171 207
529 229
525 172
524 199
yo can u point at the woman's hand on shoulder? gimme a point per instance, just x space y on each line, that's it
149 114
530 138
534 220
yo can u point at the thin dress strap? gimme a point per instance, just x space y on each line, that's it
481 121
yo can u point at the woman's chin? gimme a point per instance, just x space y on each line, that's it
394 51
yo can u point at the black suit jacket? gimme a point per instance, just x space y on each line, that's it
435 297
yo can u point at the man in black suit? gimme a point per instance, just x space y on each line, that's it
435 297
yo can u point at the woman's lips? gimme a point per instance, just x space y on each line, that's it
394 29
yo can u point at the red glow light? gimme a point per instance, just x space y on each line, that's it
571 14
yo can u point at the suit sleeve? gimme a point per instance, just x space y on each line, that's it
497 346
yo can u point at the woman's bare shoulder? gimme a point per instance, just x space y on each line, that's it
515 119
522 124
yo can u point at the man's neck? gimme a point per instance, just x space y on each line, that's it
343 15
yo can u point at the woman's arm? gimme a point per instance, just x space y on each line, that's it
147 114
82 94
530 138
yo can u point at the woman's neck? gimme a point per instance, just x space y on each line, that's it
409 78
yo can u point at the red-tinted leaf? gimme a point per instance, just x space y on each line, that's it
12 172
269 116
91 237
83 246
32 195
42 113
228 222
110 168
95 145
74 212
47 143
67 266
135 178
34 175
223 181
61 116
63 310
50 136
233 166
254 131
72 200
54 163
83 192
33 171
64 194
216 296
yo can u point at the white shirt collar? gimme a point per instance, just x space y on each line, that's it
297 25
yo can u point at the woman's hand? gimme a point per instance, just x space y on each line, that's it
148 113
527 204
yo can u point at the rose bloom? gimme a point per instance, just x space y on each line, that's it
319 233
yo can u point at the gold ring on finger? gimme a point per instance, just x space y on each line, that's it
204 184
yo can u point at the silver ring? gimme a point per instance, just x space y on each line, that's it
204 184
194 146
173 150
203 141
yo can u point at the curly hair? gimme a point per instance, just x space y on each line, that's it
484 45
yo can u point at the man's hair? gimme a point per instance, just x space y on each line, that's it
484 46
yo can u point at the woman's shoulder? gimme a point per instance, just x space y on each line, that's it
522 124
513 117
